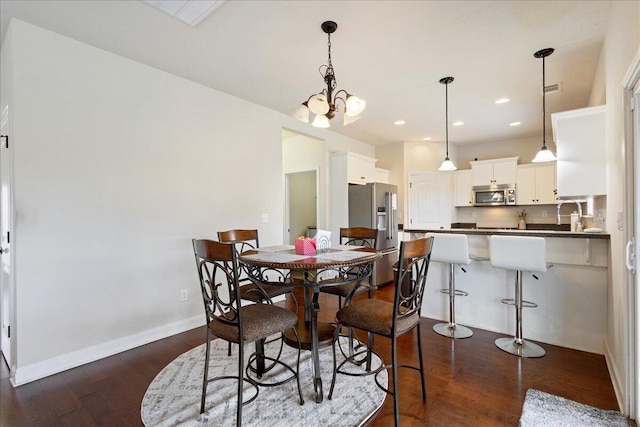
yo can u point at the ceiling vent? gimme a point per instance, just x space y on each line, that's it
553 88
191 12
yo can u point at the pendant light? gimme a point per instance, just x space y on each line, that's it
325 104
544 155
447 164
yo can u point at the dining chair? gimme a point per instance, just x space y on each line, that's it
353 236
229 320
393 319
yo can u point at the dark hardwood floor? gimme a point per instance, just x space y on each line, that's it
469 382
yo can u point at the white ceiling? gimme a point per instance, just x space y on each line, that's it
391 53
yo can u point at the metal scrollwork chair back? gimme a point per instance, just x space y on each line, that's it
228 319
393 319
245 240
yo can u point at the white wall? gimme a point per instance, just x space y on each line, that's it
117 167
621 44
524 148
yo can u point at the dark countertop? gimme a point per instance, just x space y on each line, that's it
532 233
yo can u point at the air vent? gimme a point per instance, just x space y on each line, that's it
191 12
553 88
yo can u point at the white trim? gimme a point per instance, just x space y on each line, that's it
631 383
63 362
618 383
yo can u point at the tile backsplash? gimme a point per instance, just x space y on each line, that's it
593 211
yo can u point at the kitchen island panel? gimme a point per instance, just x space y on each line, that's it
571 295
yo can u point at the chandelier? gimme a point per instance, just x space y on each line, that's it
325 104
544 155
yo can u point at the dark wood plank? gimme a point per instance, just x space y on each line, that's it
469 382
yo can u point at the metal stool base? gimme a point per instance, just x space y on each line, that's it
526 349
452 331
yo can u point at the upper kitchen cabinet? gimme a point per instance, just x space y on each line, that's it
463 195
536 184
382 175
580 144
494 172
356 168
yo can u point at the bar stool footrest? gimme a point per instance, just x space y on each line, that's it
525 304
457 292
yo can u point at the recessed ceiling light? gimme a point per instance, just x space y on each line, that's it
428 138
458 123
399 122
515 124
502 100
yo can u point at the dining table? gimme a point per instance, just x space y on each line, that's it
337 265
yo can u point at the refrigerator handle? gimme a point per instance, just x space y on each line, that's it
390 215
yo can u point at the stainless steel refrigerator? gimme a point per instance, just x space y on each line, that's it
375 205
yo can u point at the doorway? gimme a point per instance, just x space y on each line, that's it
301 195
304 168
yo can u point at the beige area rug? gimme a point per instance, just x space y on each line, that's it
173 397
542 409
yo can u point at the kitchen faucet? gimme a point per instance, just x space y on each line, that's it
560 202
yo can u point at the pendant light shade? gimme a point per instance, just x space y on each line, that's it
447 164
544 155
321 121
302 113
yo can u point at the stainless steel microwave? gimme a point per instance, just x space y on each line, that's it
494 195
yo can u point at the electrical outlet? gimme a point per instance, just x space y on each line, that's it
265 217
184 294
544 214
473 214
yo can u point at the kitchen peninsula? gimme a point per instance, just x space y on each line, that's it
571 295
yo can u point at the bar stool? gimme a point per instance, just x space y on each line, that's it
451 249
520 254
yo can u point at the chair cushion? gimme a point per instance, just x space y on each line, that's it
344 290
251 293
375 316
258 322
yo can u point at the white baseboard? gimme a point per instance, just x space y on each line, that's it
618 384
66 361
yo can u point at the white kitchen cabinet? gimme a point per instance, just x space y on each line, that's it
463 195
494 171
381 175
536 184
580 143
359 169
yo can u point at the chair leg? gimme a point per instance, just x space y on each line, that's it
394 370
369 351
229 350
295 331
336 337
206 373
240 382
424 388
